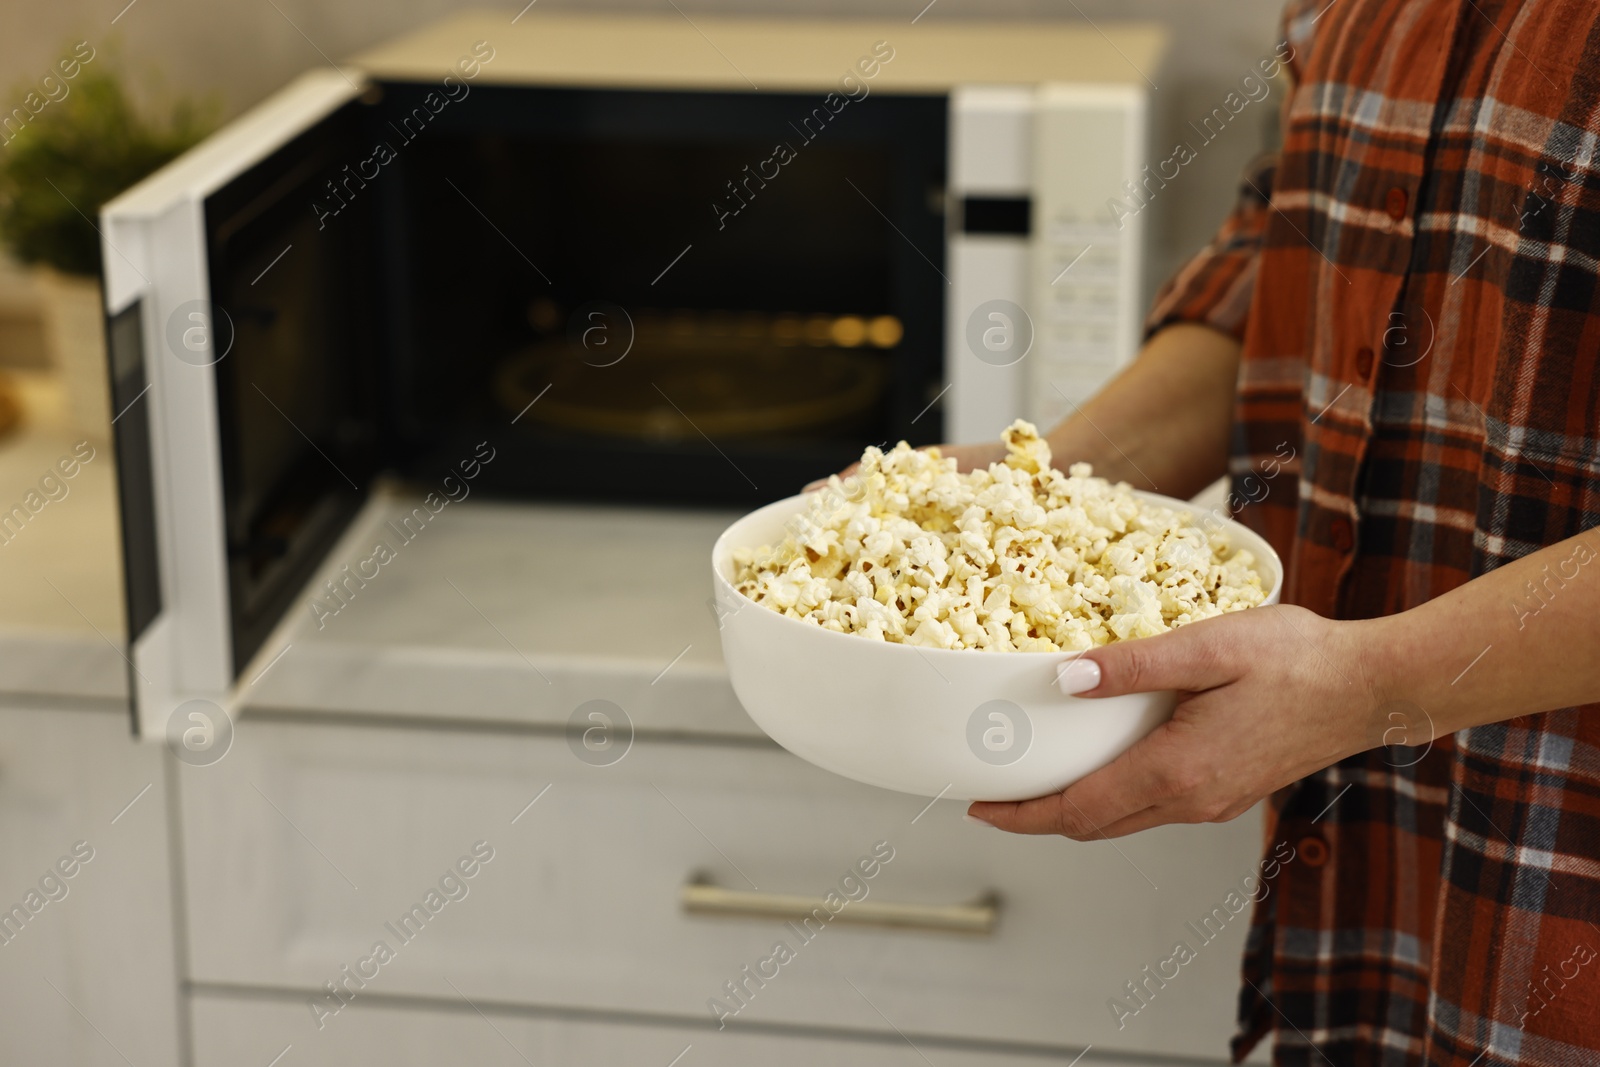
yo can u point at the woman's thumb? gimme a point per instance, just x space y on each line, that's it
1183 659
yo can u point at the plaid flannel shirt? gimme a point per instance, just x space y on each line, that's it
1415 278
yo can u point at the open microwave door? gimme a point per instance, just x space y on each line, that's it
243 332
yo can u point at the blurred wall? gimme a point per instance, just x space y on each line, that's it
244 49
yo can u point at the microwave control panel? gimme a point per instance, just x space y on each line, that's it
1042 314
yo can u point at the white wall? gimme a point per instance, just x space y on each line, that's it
243 49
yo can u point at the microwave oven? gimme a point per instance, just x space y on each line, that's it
636 258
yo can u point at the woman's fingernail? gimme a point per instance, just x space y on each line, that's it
977 821
1078 676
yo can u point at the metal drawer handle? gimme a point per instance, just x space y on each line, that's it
701 896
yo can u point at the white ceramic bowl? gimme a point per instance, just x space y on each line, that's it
958 723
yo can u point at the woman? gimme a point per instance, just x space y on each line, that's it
1391 347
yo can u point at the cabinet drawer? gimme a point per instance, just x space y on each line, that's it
88 975
229 1031
311 843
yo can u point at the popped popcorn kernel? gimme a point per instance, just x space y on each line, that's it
1016 558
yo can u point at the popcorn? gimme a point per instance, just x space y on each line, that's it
1016 558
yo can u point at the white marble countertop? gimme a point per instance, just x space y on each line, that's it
61 616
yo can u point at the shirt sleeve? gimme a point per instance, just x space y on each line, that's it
1216 286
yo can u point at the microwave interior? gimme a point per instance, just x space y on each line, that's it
629 296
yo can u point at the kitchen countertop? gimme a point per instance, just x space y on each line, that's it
61 618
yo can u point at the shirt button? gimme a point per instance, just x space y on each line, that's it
1395 203
1340 532
1313 851
1364 362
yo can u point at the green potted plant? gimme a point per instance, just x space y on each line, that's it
78 148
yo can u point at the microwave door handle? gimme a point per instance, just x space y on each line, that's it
136 503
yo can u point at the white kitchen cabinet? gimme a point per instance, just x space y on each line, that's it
89 980
230 1031
309 841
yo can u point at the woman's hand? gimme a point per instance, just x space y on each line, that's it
1269 695
1266 696
967 457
